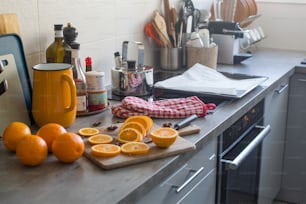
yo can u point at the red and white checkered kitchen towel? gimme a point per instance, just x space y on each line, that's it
167 108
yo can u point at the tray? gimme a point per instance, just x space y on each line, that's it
161 93
12 44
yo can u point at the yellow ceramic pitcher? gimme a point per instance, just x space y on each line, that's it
54 94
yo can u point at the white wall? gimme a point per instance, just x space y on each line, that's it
104 24
284 23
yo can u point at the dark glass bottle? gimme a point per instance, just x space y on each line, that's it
55 52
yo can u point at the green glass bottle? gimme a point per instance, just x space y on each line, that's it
55 52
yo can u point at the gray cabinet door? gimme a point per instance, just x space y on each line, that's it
294 176
194 182
273 145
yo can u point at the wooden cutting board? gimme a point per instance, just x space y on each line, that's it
180 145
9 23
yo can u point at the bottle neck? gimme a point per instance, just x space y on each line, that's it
58 34
74 53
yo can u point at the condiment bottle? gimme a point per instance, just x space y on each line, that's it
55 52
79 79
88 63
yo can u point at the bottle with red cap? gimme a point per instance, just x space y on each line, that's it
88 63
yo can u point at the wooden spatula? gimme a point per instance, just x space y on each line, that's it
160 23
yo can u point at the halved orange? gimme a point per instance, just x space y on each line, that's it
105 150
164 137
129 135
135 148
88 131
146 121
100 139
136 125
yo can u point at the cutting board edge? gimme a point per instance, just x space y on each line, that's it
127 163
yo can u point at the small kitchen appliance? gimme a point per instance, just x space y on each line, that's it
133 80
227 35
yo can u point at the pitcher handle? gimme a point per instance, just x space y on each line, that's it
71 84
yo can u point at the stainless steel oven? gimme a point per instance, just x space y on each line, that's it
239 154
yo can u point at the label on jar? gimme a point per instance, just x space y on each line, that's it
97 100
81 103
95 81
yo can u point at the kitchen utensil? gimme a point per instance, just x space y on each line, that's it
189 24
181 145
167 15
161 27
54 94
173 26
136 82
151 32
185 122
173 16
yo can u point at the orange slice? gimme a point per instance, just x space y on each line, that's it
136 125
135 148
105 150
88 131
100 139
164 137
129 135
149 121
146 121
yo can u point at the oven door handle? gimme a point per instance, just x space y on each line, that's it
234 164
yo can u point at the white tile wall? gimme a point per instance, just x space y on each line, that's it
104 24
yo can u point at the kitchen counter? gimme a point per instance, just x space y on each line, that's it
84 182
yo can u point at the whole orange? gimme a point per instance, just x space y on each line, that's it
68 147
49 132
32 150
13 133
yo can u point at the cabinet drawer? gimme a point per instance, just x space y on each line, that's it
195 179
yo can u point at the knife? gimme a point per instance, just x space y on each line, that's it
185 122
178 126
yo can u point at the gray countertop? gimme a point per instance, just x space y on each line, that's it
84 182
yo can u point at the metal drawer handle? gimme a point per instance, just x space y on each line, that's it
197 172
282 89
302 80
251 146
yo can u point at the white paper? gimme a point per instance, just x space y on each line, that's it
202 79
